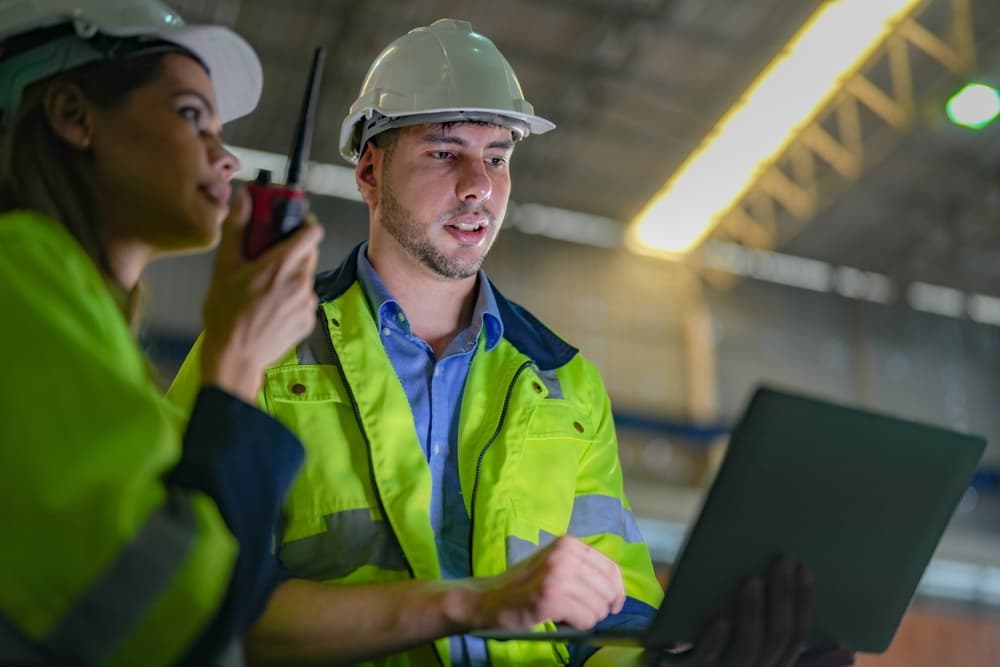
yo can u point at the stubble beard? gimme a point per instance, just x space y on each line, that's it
408 233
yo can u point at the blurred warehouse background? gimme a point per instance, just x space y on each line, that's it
829 222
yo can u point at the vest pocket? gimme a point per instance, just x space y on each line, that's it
556 439
330 528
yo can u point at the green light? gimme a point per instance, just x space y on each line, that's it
975 106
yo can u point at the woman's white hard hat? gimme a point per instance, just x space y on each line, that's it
33 48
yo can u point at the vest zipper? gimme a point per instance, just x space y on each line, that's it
482 455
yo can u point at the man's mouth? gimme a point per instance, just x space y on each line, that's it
468 230
469 226
469 222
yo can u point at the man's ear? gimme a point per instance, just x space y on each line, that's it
69 113
367 173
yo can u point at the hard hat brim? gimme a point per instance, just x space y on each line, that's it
521 123
232 63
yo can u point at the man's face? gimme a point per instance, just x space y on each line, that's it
442 195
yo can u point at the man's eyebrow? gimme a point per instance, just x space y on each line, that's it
504 145
434 138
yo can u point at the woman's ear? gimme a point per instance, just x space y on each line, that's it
70 114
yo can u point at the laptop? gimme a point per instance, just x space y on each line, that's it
860 498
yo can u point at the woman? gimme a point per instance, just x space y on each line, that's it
130 537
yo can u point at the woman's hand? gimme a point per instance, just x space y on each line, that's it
256 310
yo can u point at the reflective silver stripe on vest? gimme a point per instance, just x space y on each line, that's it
593 514
316 349
103 616
518 549
352 539
304 354
551 382
233 656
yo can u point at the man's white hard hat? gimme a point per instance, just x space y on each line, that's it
438 73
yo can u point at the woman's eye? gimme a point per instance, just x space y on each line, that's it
192 114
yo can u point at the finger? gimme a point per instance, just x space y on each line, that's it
748 628
575 591
601 587
712 642
301 282
235 222
239 207
306 325
591 557
295 303
310 225
781 608
606 575
801 616
309 265
585 585
290 330
290 252
603 572
581 610
310 218
309 314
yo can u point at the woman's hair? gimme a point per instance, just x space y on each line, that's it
41 172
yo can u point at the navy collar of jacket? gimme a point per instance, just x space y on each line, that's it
520 327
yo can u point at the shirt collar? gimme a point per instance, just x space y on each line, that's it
387 310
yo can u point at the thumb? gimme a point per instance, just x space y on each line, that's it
235 223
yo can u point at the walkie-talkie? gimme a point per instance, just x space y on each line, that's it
278 210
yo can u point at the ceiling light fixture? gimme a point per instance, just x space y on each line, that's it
833 44
975 106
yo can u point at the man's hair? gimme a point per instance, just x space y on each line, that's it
387 142
41 172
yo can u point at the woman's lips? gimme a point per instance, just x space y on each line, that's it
219 193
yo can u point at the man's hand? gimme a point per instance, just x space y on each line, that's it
768 626
566 582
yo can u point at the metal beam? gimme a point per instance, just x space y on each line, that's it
860 125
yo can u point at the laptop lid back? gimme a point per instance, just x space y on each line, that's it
861 498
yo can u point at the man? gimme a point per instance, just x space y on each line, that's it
462 468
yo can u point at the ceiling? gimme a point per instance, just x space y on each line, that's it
634 86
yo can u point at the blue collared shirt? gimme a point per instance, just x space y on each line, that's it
434 389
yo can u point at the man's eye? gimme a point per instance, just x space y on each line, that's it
442 155
497 161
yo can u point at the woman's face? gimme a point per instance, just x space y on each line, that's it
162 173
